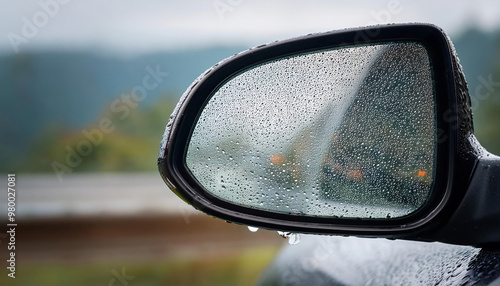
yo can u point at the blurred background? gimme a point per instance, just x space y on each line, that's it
91 207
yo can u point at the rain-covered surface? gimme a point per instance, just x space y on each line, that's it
339 133
332 260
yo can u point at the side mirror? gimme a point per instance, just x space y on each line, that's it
362 132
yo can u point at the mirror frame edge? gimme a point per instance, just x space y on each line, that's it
172 165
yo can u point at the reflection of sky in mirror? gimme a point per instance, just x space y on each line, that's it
291 106
141 26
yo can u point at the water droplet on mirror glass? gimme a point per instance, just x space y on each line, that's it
253 229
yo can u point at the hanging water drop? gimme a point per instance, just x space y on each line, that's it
293 238
253 229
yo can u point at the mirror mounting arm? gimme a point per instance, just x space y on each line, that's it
477 220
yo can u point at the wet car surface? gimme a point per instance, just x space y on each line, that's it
330 260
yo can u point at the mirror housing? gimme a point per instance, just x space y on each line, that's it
457 154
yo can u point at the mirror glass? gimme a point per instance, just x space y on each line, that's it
346 133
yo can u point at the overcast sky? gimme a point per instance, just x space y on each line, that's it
129 26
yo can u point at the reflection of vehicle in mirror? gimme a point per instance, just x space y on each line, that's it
338 134
380 154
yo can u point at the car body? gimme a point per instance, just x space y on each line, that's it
332 260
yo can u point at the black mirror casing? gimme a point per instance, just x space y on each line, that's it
456 153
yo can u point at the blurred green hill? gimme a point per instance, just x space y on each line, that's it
132 145
480 57
48 96
47 99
